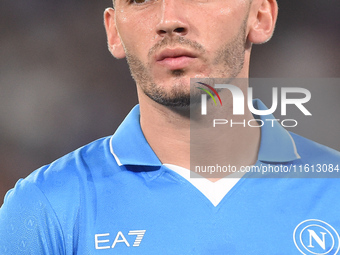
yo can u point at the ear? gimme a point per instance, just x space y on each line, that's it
262 20
113 40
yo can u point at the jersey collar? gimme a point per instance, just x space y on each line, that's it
129 146
277 145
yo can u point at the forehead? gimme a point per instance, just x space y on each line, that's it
250 1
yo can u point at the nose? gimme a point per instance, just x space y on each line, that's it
172 21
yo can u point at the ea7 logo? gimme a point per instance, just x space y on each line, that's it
316 237
120 238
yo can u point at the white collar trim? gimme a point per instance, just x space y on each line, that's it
214 191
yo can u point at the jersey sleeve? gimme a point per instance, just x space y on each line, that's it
28 223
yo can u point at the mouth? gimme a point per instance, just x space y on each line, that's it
175 59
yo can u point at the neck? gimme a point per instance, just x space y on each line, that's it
168 133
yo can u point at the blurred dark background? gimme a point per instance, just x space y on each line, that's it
60 88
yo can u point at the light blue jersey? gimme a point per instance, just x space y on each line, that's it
114 196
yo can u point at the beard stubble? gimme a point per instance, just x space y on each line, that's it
229 58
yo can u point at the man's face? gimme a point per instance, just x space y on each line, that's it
167 42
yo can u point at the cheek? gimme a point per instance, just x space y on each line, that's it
224 25
137 33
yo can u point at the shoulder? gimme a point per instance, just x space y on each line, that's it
66 182
50 201
68 173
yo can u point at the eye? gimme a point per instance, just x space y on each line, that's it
138 1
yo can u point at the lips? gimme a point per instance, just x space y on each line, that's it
175 59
